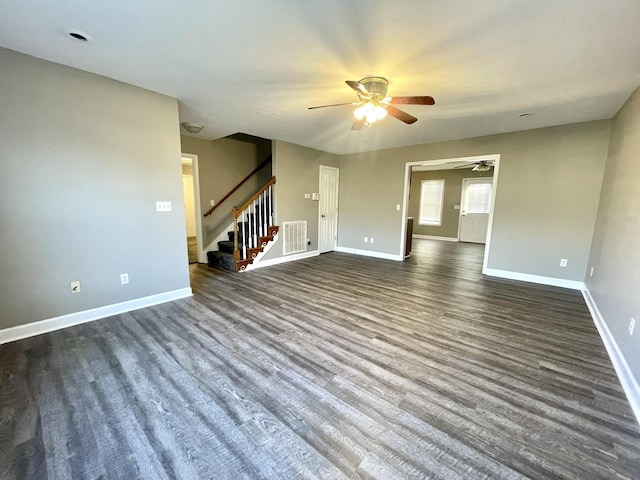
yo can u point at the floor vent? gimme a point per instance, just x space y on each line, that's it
295 237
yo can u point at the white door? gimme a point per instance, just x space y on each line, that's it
328 209
189 205
474 211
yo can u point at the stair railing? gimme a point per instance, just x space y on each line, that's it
242 182
253 226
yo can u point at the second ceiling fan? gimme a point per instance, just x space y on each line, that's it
374 104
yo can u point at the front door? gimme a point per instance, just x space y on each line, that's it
474 211
328 209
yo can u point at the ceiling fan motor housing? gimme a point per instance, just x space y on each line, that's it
376 86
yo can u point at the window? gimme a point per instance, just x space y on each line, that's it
478 198
431 196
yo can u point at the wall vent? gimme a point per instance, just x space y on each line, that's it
295 237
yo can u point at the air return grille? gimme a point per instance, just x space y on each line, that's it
295 237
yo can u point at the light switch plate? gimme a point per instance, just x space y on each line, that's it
315 196
163 206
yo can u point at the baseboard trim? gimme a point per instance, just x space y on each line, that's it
625 375
525 277
370 253
56 323
432 237
285 259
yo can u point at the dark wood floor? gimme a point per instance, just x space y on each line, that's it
337 366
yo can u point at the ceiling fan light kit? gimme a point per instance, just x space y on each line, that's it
374 104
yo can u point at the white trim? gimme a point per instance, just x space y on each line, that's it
433 237
625 375
202 255
525 277
285 259
56 323
370 253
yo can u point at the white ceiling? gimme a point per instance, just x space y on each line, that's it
254 66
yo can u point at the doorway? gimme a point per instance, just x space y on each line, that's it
328 209
449 164
192 210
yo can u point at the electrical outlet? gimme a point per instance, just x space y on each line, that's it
75 287
632 324
398 207
366 239
124 278
371 241
591 272
563 262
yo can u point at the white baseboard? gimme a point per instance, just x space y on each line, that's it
525 277
56 323
625 375
370 253
285 259
432 237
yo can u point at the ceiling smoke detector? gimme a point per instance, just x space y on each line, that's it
193 128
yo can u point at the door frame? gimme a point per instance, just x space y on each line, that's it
462 198
495 157
335 237
198 207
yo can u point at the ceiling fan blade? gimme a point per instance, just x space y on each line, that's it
358 124
400 115
465 166
359 88
332 105
424 100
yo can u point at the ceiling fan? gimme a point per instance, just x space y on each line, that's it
481 166
374 104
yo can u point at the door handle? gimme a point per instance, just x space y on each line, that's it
323 215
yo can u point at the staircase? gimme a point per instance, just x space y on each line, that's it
253 230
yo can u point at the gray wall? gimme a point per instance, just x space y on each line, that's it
452 192
615 257
546 199
222 164
297 171
83 159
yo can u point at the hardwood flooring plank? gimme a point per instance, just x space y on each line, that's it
337 366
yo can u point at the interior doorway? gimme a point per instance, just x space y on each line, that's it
192 209
477 229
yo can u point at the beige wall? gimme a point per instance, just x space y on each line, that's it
222 164
297 170
546 198
615 256
83 159
452 193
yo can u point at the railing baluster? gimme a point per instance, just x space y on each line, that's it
261 203
271 206
244 234
236 252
